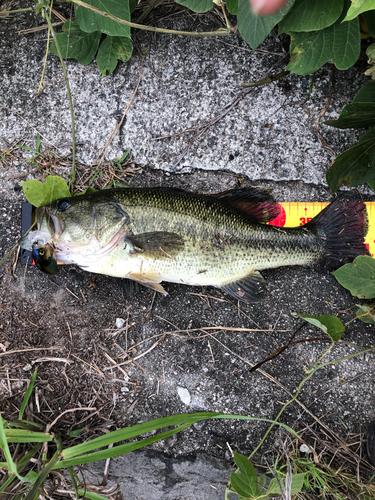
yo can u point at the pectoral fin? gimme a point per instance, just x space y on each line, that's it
157 244
251 289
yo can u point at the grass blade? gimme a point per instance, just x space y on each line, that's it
41 477
27 394
152 425
118 450
24 436
91 496
4 445
134 431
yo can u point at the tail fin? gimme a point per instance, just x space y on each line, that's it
342 227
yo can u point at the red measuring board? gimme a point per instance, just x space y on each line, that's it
298 213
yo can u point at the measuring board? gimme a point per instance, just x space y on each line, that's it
292 214
299 213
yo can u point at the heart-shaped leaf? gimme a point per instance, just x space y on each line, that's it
331 325
197 5
112 49
339 43
38 193
90 21
358 277
354 166
306 15
244 482
75 43
254 29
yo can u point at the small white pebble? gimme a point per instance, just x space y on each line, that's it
120 322
184 395
27 367
304 448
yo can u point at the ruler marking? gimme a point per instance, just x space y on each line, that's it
298 214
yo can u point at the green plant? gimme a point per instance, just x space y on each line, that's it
250 486
320 31
49 446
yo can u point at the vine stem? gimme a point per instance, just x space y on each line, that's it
221 32
46 56
72 175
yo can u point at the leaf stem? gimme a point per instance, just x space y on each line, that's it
269 79
6 12
72 175
220 32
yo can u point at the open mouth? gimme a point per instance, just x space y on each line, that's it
49 227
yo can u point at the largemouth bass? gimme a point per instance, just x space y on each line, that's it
155 235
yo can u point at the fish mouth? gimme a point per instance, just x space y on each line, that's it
49 229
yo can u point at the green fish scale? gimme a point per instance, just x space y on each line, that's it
221 244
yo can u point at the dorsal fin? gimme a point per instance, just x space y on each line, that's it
257 204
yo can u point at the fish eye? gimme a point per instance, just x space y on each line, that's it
63 205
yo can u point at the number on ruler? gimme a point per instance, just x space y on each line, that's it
304 220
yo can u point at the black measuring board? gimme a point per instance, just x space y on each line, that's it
26 223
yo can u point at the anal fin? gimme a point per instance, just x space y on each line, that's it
150 280
250 289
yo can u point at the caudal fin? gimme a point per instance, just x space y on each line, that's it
342 227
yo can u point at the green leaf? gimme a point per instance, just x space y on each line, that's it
27 394
361 112
197 5
75 43
132 5
306 15
297 485
39 194
355 115
367 92
357 7
358 277
369 18
90 21
366 313
331 325
244 482
232 6
339 43
254 29
112 49
354 166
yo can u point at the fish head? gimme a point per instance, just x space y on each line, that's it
79 230
84 220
